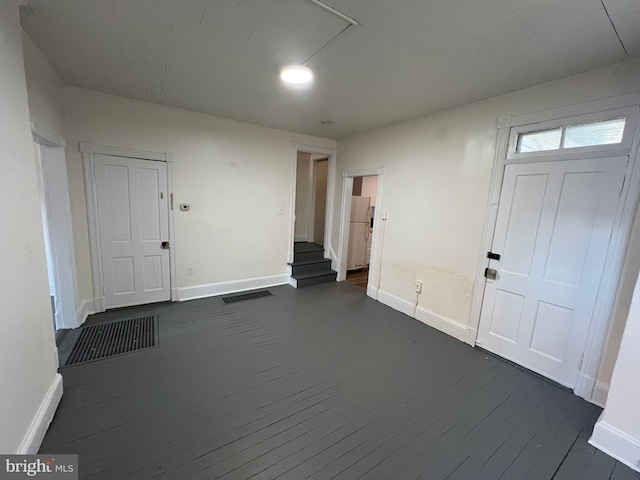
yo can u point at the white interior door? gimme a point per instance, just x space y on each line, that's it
134 222
552 233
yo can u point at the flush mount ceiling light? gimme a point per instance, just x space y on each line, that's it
296 74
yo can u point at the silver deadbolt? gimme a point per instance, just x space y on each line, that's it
491 274
165 245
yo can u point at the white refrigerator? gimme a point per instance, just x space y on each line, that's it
359 230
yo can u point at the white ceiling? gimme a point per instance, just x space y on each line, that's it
404 59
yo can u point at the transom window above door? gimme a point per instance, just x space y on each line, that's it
609 130
573 136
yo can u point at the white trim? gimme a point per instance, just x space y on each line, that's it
233 286
610 103
616 444
86 308
595 343
372 291
88 151
330 153
301 238
491 215
38 428
86 147
367 172
600 394
311 201
57 219
442 323
395 302
343 239
173 276
375 265
46 135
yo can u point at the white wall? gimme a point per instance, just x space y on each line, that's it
617 432
45 88
436 183
235 176
370 188
302 196
30 386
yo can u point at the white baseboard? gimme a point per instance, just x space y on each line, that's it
444 324
396 302
221 288
40 423
439 322
86 309
293 282
616 444
300 238
600 394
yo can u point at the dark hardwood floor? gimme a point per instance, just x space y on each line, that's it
317 383
359 278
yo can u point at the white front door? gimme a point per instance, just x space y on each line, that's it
552 234
133 218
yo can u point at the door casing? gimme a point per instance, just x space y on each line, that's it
88 151
629 105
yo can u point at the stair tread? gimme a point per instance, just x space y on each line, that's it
308 262
321 273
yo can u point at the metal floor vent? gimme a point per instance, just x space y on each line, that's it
116 338
246 296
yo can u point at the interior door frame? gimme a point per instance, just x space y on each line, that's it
56 198
89 150
330 153
508 125
375 263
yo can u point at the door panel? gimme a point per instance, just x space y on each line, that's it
552 231
133 216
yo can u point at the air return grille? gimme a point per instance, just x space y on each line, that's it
246 296
116 338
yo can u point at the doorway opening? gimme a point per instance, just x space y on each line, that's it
49 150
557 227
361 222
312 261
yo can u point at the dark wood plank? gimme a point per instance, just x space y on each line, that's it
316 383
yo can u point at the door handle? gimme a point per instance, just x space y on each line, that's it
490 273
165 245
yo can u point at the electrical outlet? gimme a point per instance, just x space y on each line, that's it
190 271
418 287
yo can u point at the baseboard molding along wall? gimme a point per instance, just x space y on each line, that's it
444 324
221 288
300 238
609 440
395 302
40 423
439 322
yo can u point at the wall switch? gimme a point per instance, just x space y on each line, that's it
418 287
190 271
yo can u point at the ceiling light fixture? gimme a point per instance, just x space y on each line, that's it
296 74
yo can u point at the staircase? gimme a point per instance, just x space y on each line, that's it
309 266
